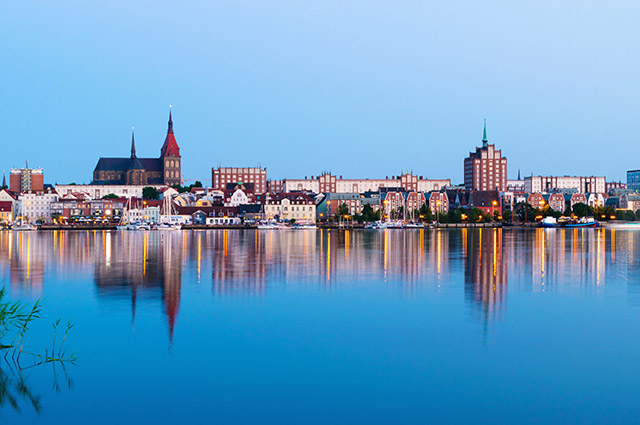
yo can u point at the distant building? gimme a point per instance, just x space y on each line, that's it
26 179
328 183
633 180
485 169
612 187
164 170
275 186
93 191
550 184
515 186
222 176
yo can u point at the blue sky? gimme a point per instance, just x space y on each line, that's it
360 88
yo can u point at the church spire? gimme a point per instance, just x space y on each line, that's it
484 135
170 129
4 180
519 174
133 145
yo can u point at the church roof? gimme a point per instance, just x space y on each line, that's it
122 164
170 147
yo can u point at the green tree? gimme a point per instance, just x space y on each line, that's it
110 196
581 210
368 215
150 193
426 213
342 210
506 216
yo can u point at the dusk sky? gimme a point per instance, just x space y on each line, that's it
358 88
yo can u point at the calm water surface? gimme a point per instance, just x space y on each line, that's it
242 327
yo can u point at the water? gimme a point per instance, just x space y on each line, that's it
239 327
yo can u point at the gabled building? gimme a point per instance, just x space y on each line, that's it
485 169
487 200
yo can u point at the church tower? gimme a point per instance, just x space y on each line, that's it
170 157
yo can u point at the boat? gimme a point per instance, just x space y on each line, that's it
413 226
583 222
623 226
304 227
24 227
272 225
549 222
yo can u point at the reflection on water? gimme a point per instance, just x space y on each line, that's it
151 266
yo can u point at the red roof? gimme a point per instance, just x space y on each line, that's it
6 206
170 147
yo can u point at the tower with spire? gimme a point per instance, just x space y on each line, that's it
486 168
133 170
170 156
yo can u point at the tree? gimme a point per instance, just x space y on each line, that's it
525 211
342 210
110 196
581 210
426 213
150 193
506 216
368 215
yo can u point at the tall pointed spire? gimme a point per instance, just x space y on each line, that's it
170 146
519 174
484 135
133 145
4 180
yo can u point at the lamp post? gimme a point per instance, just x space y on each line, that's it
438 203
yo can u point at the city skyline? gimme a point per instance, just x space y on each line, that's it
250 82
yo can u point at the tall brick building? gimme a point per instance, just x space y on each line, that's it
140 171
26 179
485 169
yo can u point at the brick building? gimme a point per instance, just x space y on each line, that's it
485 169
222 176
26 179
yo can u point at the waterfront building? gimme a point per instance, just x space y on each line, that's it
437 201
36 206
550 184
595 200
163 171
93 191
26 179
329 183
633 202
633 180
71 207
488 201
536 200
6 212
572 199
556 202
287 206
222 176
485 169
414 200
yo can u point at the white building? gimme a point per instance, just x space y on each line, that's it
328 183
97 191
541 184
36 206
287 206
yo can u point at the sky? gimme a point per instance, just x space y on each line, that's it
358 88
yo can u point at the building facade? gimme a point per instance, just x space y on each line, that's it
165 170
328 183
222 176
36 206
93 191
287 206
485 169
633 180
26 179
549 184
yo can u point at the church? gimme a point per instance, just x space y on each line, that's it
142 171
